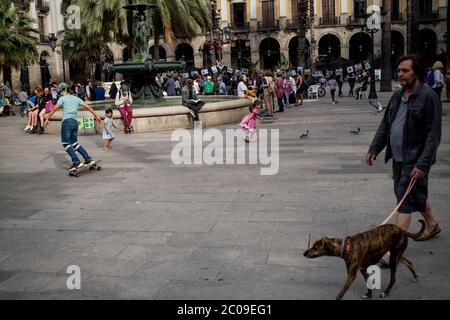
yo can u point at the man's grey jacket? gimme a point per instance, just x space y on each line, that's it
422 130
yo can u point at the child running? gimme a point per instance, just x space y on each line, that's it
248 123
69 126
108 124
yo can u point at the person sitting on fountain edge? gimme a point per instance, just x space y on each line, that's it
190 99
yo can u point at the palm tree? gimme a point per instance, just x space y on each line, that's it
180 19
101 21
17 44
386 73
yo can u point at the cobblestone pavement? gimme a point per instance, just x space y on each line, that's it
145 228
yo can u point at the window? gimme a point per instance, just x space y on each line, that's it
239 14
328 9
425 6
41 25
294 6
268 12
395 9
360 8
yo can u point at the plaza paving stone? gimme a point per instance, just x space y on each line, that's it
145 228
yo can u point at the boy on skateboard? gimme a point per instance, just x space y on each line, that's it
69 127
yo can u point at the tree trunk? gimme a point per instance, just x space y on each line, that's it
386 71
302 6
448 42
412 26
312 55
7 76
156 47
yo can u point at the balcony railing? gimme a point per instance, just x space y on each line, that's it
293 24
355 21
329 21
44 38
268 25
42 6
397 18
428 16
21 4
241 26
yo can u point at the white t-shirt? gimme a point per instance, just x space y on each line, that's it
438 79
241 88
196 87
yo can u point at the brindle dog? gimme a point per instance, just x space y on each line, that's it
365 249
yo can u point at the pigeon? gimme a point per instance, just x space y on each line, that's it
304 134
357 131
377 105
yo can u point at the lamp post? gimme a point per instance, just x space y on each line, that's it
53 39
217 37
372 28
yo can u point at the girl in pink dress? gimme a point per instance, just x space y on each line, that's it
248 123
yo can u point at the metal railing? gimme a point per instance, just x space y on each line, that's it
355 21
295 24
427 16
241 26
21 4
44 38
329 21
42 5
268 25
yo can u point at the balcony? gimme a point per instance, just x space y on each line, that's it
427 17
398 18
22 5
329 21
44 39
355 21
42 6
241 27
293 24
269 25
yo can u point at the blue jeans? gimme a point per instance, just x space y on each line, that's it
69 135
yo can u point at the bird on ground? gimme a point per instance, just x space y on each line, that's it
304 134
357 131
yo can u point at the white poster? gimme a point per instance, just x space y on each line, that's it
214 69
205 72
350 69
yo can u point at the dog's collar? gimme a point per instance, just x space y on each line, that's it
343 248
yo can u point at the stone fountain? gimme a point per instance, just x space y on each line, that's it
143 69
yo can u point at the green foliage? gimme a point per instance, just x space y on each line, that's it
18 46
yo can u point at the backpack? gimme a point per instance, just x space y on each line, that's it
430 78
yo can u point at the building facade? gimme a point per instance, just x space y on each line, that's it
265 34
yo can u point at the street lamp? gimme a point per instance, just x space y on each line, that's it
371 28
217 37
53 39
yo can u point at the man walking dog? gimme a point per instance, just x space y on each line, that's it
411 132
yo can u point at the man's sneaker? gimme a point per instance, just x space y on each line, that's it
88 163
74 167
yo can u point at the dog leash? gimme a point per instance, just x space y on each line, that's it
408 190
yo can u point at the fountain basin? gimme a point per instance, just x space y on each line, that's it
152 119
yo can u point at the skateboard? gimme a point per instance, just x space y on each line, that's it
95 166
